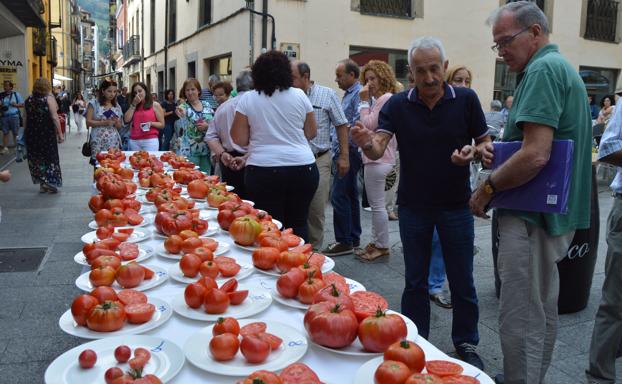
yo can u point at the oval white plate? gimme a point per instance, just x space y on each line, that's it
166 361
162 252
159 276
251 203
229 188
293 303
356 348
292 349
328 266
177 275
365 374
208 214
162 314
258 300
210 232
143 200
137 236
148 219
144 252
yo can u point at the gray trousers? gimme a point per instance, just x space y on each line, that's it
608 326
320 199
529 292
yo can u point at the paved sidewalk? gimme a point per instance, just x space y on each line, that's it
32 302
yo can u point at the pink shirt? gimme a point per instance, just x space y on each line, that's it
369 118
143 116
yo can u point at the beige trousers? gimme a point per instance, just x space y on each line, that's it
318 204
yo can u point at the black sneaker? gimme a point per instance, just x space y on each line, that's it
467 353
337 249
499 379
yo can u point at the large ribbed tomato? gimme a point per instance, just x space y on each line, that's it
198 189
332 294
130 275
170 223
378 332
106 317
244 230
330 325
81 307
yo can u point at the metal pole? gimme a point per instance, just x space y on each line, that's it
264 24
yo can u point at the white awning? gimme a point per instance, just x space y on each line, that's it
61 77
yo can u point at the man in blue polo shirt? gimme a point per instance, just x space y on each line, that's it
434 124
10 102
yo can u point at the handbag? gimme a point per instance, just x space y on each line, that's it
86 147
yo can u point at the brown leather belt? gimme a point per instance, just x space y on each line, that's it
319 154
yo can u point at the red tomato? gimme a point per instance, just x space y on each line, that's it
129 231
253 328
148 379
128 251
254 349
204 253
299 373
265 257
194 294
102 217
273 241
130 296
112 374
292 240
443 368
106 261
224 347
197 189
190 244
209 268
378 332
423 378
186 234
308 289
229 269
81 307
274 341
190 264
106 317
133 218
102 276
142 352
338 280
330 325
209 243
332 294
139 313
244 230
130 275
207 282
391 372
460 379
317 259
408 353
226 325
289 260
264 377
148 272
96 203
120 236
216 301
311 270
103 294
224 259
137 363
104 232
305 248
229 286
122 353
87 358
287 285
237 297
366 303
172 244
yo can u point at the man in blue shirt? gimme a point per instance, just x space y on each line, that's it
434 124
345 194
206 93
10 101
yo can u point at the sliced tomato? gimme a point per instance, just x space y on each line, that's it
229 286
139 313
229 269
133 218
148 273
210 243
274 341
129 231
291 240
131 296
299 373
423 378
237 297
338 280
224 259
317 259
460 379
120 236
305 248
443 368
366 303
128 251
253 328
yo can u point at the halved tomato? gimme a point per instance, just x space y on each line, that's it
139 313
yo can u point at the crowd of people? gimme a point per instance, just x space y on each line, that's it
291 145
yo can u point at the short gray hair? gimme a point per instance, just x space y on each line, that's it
213 78
425 42
526 14
244 81
495 105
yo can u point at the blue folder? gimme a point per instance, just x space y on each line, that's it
548 191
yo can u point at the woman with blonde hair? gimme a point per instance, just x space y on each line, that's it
459 76
42 134
380 85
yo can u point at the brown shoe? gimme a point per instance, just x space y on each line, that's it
373 254
361 251
393 216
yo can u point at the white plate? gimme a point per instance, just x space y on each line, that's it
138 235
148 219
279 225
206 214
162 314
258 300
166 361
292 349
144 252
229 188
251 203
356 348
328 266
162 252
293 303
212 230
159 276
365 374
143 200
176 274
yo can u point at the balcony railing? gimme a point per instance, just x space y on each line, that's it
602 20
131 50
391 8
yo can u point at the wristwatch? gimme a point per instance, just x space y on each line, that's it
489 187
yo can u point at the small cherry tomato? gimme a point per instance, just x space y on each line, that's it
87 358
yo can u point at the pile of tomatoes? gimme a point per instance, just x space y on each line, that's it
123 354
142 159
103 310
292 374
215 300
105 270
148 178
188 241
112 247
255 346
112 154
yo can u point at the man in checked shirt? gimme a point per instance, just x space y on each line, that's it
328 112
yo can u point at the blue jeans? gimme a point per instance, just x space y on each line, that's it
456 232
345 202
165 136
437 267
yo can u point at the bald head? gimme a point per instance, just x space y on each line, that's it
301 75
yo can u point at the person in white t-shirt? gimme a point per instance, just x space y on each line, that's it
275 121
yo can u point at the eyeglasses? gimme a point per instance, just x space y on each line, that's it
507 41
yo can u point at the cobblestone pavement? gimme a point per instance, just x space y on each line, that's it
32 302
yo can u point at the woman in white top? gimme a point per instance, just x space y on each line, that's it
276 121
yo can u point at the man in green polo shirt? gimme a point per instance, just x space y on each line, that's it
549 103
